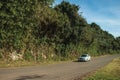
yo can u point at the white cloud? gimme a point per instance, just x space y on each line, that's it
110 24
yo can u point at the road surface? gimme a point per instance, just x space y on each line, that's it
61 71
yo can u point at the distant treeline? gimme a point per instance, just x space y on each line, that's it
37 30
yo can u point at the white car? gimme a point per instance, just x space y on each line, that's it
84 57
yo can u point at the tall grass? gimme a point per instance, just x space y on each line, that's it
109 72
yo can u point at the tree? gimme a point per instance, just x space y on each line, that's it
46 2
52 30
87 36
71 10
17 20
77 22
103 38
116 44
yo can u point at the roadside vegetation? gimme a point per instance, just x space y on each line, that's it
109 72
36 31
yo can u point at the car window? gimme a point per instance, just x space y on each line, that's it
83 55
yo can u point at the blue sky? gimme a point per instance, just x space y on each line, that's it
105 13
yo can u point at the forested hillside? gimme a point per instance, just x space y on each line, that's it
35 30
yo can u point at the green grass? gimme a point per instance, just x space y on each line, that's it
4 64
109 72
23 63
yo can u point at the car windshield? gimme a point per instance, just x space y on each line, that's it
83 55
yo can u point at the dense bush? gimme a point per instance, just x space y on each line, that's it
36 30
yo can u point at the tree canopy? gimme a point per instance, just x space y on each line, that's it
33 28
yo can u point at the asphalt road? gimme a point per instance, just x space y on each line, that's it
61 71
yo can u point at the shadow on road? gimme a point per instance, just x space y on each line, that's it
30 77
75 61
80 61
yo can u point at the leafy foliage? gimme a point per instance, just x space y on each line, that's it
17 21
28 26
46 2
